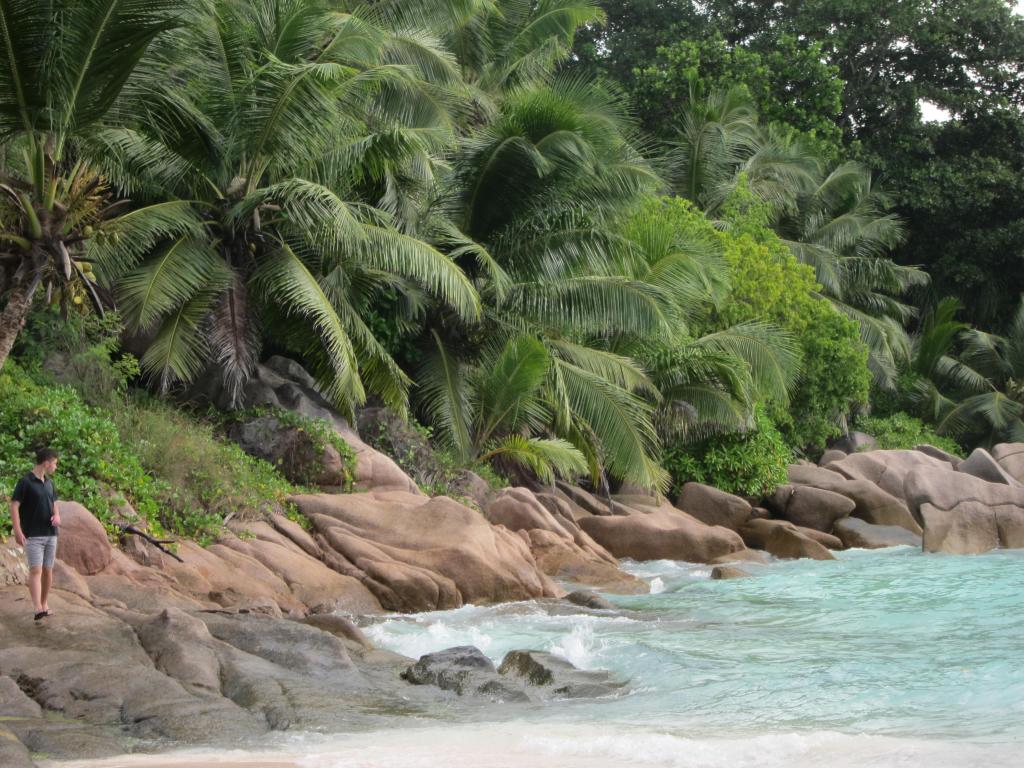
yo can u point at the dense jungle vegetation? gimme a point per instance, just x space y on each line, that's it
620 241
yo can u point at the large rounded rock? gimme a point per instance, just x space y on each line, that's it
983 465
757 532
662 534
1011 458
963 514
463 670
858 534
871 503
83 542
416 553
714 507
788 543
560 547
556 677
811 507
886 469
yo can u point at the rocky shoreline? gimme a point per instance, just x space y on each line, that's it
251 634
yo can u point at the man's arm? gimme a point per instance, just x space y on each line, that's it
55 520
16 522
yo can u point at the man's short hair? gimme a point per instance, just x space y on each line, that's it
45 454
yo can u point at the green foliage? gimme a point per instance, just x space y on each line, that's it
97 468
901 430
747 463
321 435
687 67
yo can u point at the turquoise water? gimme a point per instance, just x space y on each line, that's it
881 659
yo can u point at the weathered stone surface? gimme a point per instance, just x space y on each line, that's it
14 702
720 572
13 566
963 514
714 507
589 599
339 626
13 754
831 455
757 532
556 677
811 507
583 499
663 534
871 503
886 469
1011 458
788 543
463 670
560 547
416 553
937 453
983 465
857 533
83 542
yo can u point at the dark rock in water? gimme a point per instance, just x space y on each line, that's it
788 543
464 670
727 572
855 532
854 442
589 600
556 677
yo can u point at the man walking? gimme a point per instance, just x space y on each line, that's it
36 520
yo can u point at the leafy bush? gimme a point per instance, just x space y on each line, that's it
749 463
768 283
901 430
96 469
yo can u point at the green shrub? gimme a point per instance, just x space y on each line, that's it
750 463
901 430
96 468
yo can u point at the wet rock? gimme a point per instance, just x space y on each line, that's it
465 671
555 677
787 543
857 533
728 572
589 599
811 507
714 507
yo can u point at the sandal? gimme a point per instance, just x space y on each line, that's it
41 615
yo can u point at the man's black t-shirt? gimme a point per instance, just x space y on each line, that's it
36 497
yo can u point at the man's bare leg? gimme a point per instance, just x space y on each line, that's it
35 579
44 591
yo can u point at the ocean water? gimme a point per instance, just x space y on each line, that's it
882 658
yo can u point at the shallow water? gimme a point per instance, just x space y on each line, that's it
881 658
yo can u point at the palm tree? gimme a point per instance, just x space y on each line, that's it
289 142
65 64
968 382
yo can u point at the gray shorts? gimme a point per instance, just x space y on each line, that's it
41 551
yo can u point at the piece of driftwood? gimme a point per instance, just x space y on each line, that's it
158 543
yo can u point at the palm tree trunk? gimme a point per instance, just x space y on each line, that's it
12 318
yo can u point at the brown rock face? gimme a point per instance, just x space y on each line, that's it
1011 458
811 507
787 543
714 507
871 503
854 532
417 553
963 514
83 542
757 532
886 469
560 547
720 572
662 534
